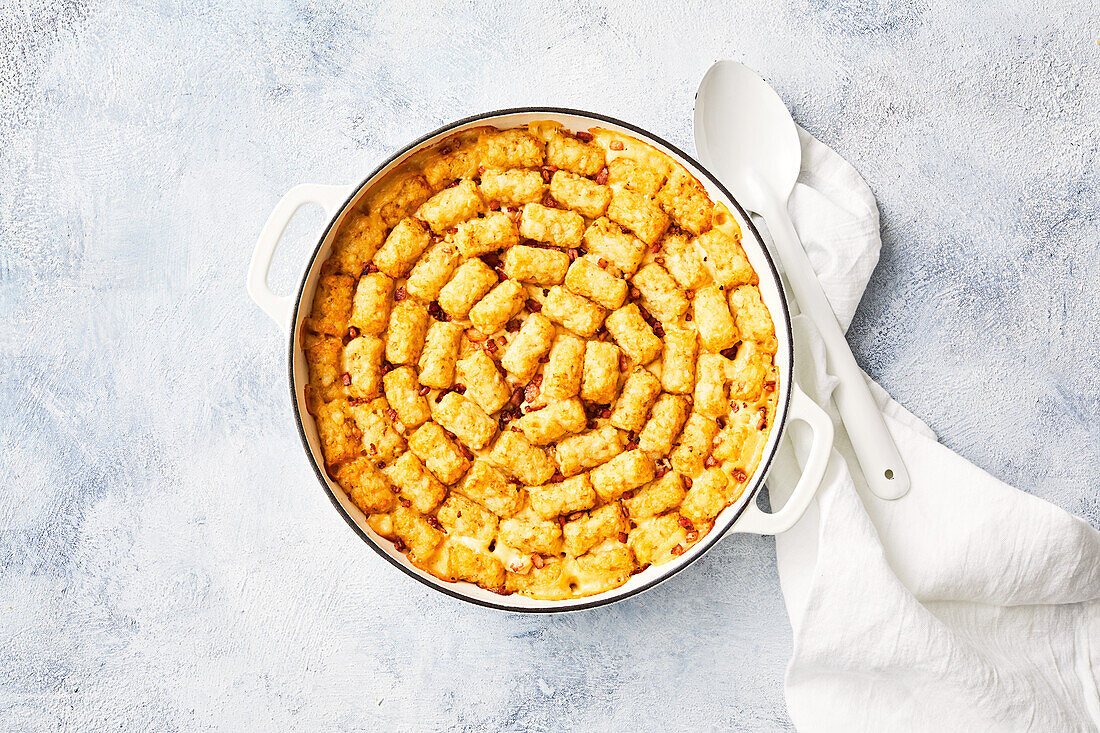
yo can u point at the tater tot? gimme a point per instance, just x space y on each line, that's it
437 360
639 392
514 454
586 197
460 562
600 376
566 151
685 266
686 202
604 238
710 385
332 304
491 489
678 360
696 442
370 311
537 536
404 245
664 424
367 488
403 393
661 296
484 383
439 453
753 320
531 344
512 187
656 497
408 326
363 365
624 472
625 172
495 309
578 314
746 372
451 206
471 281
580 452
727 258
633 334
536 265
707 496
432 271
415 483
553 226
465 419
561 379
476 237
585 277
589 530
554 421
638 213
717 331
417 533
571 495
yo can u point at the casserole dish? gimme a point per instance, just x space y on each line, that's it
288 312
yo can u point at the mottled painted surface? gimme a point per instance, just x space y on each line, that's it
166 557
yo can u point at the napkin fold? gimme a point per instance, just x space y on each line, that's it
967 604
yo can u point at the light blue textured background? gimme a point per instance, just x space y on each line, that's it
166 557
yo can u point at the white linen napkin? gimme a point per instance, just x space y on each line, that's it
966 605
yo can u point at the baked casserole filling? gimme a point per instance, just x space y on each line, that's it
539 360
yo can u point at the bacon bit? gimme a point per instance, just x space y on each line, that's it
437 238
730 353
634 293
548 172
739 475
453 183
400 294
659 260
576 515
769 386
512 326
628 495
677 550
531 391
544 360
538 561
734 408
639 569
459 387
549 201
687 482
494 205
605 413
399 545
687 316
622 537
691 535
466 453
370 269
533 305
434 522
602 263
533 408
516 214
405 503
491 346
762 418
601 177
346 379
689 294
583 136
660 472
632 444
445 150
710 462
721 423
624 362
373 449
556 477
655 247
424 390
685 523
436 311
357 401
517 397
480 169
391 414
353 332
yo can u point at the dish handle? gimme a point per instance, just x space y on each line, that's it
756 521
279 307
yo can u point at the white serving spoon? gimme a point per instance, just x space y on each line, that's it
745 135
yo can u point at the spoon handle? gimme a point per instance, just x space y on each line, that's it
871 440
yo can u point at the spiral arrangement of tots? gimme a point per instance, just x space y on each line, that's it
539 360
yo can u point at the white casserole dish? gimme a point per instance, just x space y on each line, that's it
743 516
